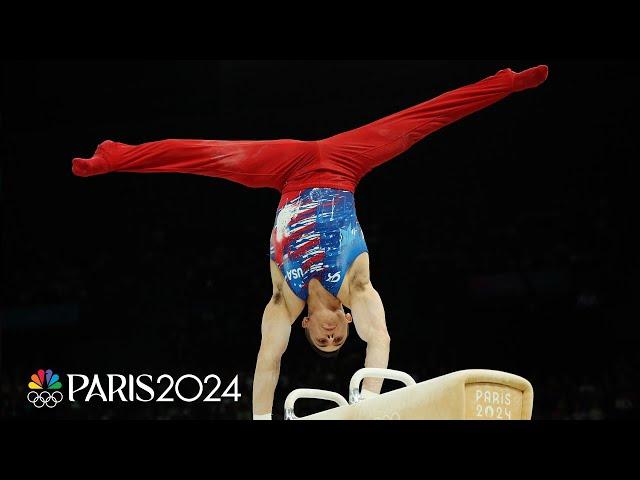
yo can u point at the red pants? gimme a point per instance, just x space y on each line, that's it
290 165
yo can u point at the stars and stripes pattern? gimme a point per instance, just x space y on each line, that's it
316 234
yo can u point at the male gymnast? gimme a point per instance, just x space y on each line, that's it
318 253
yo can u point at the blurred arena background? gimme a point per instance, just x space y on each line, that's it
523 257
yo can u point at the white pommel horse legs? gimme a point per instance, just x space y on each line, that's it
463 395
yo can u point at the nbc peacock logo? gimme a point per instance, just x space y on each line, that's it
40 385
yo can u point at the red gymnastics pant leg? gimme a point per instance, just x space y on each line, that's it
358 151
255 164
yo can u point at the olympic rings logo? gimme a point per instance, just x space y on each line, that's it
40 399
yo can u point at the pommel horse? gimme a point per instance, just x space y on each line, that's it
462 395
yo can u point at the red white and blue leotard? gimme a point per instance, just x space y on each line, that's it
314 177
316 234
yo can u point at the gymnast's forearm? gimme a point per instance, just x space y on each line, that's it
369 318
265 381
275 329
378 348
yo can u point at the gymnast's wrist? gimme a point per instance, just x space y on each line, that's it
266 416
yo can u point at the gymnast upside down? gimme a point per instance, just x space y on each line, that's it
318 253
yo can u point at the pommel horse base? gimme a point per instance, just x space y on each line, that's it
462 395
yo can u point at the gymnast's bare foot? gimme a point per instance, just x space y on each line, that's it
86 167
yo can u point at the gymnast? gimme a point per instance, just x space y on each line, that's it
318 254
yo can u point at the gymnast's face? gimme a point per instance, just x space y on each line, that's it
327 329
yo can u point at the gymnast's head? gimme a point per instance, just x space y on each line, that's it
326 328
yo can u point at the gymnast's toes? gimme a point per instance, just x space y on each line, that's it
530 78
80 167
83 167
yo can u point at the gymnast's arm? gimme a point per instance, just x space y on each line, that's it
369 320
276 329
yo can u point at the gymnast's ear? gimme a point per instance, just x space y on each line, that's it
305 322
348 317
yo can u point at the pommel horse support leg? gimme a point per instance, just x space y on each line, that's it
463 395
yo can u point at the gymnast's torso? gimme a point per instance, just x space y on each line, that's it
316 234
